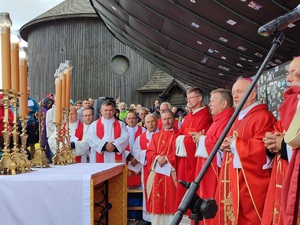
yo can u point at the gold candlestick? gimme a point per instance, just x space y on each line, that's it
23 136
16 156
9 167
57 158
40 155
70 156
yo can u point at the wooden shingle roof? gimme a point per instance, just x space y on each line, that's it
160 81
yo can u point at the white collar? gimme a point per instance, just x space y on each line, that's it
244 112
197 110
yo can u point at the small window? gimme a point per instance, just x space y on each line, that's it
119 64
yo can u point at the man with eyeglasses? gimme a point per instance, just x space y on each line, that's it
198 120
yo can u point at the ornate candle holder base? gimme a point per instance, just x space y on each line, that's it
20 163
40 159
8 166
58 159
71 156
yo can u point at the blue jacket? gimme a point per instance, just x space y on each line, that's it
34 106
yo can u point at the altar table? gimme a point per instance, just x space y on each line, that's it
62 195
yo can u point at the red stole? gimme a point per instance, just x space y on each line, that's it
143 145
79 135
133 178
100 134
137 133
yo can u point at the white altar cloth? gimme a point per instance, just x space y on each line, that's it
59 195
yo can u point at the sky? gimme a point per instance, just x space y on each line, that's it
22 11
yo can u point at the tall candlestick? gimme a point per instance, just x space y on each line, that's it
5 56
58 101
68 65
63 90
68 87
15 66
23 87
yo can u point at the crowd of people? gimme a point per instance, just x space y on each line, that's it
254 176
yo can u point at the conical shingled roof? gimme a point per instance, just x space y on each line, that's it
75 9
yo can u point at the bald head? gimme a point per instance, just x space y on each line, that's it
73 115
293 77
151 122
239 89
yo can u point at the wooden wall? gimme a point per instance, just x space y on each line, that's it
90 47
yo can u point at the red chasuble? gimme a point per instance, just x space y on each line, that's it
136 134
272 214
209 181
186 167
291 185
241 191
162 188
100 134
79 135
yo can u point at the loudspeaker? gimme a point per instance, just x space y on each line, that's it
97 105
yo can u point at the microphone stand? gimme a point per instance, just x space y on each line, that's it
207 208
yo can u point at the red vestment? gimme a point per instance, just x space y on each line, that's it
186 166
272 213
291 185
161 189
209 181
144 142
241 191
133 178
79 135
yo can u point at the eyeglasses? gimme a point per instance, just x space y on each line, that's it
189 98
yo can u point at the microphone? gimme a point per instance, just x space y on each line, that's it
280 23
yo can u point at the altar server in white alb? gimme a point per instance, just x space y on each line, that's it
108 137
78 137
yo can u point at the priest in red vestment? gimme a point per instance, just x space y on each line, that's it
139 152
221 109
162 181
274 141
291 184
108 137
198 120
243 182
